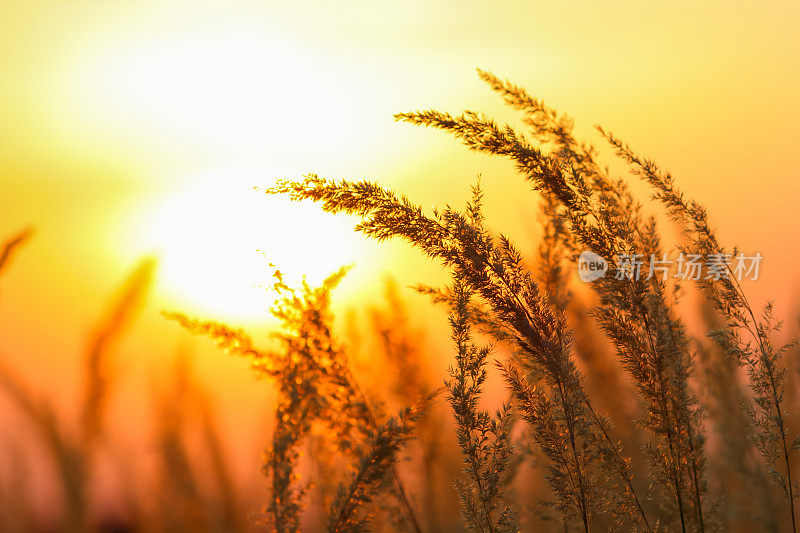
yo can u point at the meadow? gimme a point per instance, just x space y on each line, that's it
568 405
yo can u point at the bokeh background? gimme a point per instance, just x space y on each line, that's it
141 128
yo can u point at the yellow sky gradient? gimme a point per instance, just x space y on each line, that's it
135 127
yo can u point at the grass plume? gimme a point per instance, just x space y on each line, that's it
11 245
616 416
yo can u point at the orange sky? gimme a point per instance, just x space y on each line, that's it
134 127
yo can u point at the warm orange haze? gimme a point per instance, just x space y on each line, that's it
144 207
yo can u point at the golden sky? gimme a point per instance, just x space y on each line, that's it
134 127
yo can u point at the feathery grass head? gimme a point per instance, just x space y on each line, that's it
705 415
112 325
374 472
10 246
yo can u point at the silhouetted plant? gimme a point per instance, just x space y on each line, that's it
569 360
746 338
315 384
588 209
484 438
9 247
73 456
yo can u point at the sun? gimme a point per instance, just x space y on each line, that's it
201 111
217 238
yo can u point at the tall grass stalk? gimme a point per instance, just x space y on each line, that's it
315 384
596 211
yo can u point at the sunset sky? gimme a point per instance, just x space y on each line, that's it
131 128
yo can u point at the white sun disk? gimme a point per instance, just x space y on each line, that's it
216 240
188 101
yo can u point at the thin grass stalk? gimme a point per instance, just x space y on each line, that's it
11 245
725 293
571 175
315 384
374 468
495 272
484 438
109 329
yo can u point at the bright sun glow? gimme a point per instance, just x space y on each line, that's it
219 86
219 105
216 239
